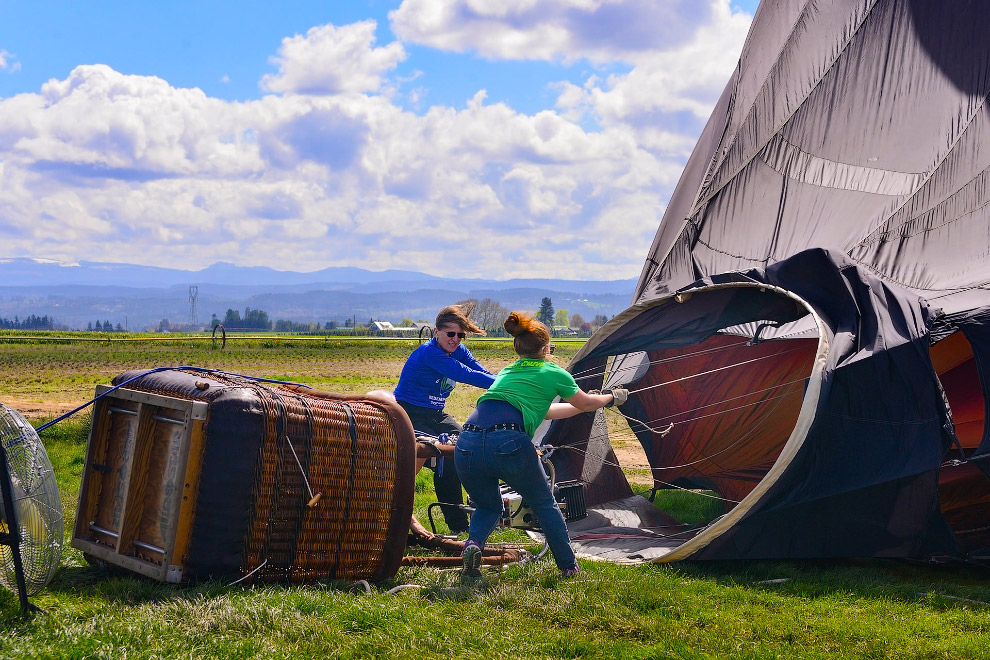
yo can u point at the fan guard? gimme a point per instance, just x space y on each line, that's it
37 505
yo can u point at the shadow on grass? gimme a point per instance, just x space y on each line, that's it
118 587
944 585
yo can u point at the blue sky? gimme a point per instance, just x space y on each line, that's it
501 139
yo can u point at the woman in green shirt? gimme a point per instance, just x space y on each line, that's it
497 441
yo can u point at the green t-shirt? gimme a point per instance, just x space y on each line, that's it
531 386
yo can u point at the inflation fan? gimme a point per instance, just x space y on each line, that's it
30 509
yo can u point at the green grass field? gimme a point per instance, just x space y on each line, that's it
765 609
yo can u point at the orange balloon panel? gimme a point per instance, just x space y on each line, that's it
733 407
956 368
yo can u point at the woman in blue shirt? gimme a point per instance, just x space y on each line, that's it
427 379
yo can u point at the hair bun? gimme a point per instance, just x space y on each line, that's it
515 324
529 335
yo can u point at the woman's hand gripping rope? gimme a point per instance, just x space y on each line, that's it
619 396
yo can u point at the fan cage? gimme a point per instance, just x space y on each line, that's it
37 505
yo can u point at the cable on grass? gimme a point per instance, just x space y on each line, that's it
361 583
403 587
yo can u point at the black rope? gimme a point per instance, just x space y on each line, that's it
352 427
310 434
280 431
300 503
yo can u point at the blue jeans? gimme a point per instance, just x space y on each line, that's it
482 458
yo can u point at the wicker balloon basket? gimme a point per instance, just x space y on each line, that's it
192 475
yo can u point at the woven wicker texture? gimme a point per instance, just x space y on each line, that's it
356 454
348 453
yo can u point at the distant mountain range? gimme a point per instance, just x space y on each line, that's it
139 297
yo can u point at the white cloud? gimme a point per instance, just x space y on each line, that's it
333 60
679 54
109 167
555 30
104 166
9 61
98 123
684 79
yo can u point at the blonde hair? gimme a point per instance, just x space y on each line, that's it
529 335
459 314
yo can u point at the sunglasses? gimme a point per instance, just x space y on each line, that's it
452 334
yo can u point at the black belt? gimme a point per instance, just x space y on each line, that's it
504 426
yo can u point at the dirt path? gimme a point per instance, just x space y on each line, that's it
34 409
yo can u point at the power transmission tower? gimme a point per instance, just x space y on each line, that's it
193 294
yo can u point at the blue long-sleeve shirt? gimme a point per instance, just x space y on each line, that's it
430 373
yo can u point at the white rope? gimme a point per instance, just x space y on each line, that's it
694 419
718 403
665 483
712 371
601 371
693 531
738 440
710 458
660 432
256 569
696 492
301 471
525 557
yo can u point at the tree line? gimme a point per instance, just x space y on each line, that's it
31 322
106 326
488 313
253 319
